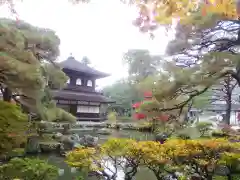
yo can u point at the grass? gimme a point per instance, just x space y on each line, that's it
125 119
47 138
234 177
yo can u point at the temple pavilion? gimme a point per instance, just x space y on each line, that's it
79 97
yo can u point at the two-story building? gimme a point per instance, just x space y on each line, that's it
79 97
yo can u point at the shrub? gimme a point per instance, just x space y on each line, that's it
28 169
174 155
58 115
113 151
112 117
145 126
183 136
219 134
227 129
204 127
13 126
16 152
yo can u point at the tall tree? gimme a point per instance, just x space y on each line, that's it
141 64
223 93
210 42
85 60
176 87
123 93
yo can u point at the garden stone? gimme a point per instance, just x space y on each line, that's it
50 147
32 145
169 177
222 170
58 135
195 177
67 141
70 141
73 170
75 137
77 145
88 141
66 128
61 172
161 137
104 131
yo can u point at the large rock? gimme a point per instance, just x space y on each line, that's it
58 135
88 141
66 128
222 170
72 141
50 147
32 145
68 142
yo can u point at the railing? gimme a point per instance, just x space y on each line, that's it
82 89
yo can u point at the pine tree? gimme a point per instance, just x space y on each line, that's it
24 51
210 43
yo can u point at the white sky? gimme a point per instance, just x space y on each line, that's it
101 30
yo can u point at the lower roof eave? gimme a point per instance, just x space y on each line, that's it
83 99
109 102
80 96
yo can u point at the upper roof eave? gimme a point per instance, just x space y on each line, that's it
72 64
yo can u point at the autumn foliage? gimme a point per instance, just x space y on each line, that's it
152 13
140 115
203 156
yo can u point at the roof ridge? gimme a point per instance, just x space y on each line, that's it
73 64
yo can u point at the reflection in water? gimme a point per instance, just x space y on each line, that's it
111 171
68 173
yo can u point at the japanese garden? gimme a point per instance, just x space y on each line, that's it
175 116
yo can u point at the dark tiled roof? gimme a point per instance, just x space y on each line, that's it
222 107
72 64
80 96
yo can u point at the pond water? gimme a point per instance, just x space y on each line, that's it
70 174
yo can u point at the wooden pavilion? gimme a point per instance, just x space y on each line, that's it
79 97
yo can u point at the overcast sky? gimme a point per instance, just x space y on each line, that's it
101 30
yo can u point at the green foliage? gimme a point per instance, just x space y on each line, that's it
16 152
28 169
58 115
23 49
49 112
231 160
203 100
22 65
125 119
112 117
175 87
204 127
13 125
178 86
54 76
123 93
141 64
219 133
189 133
